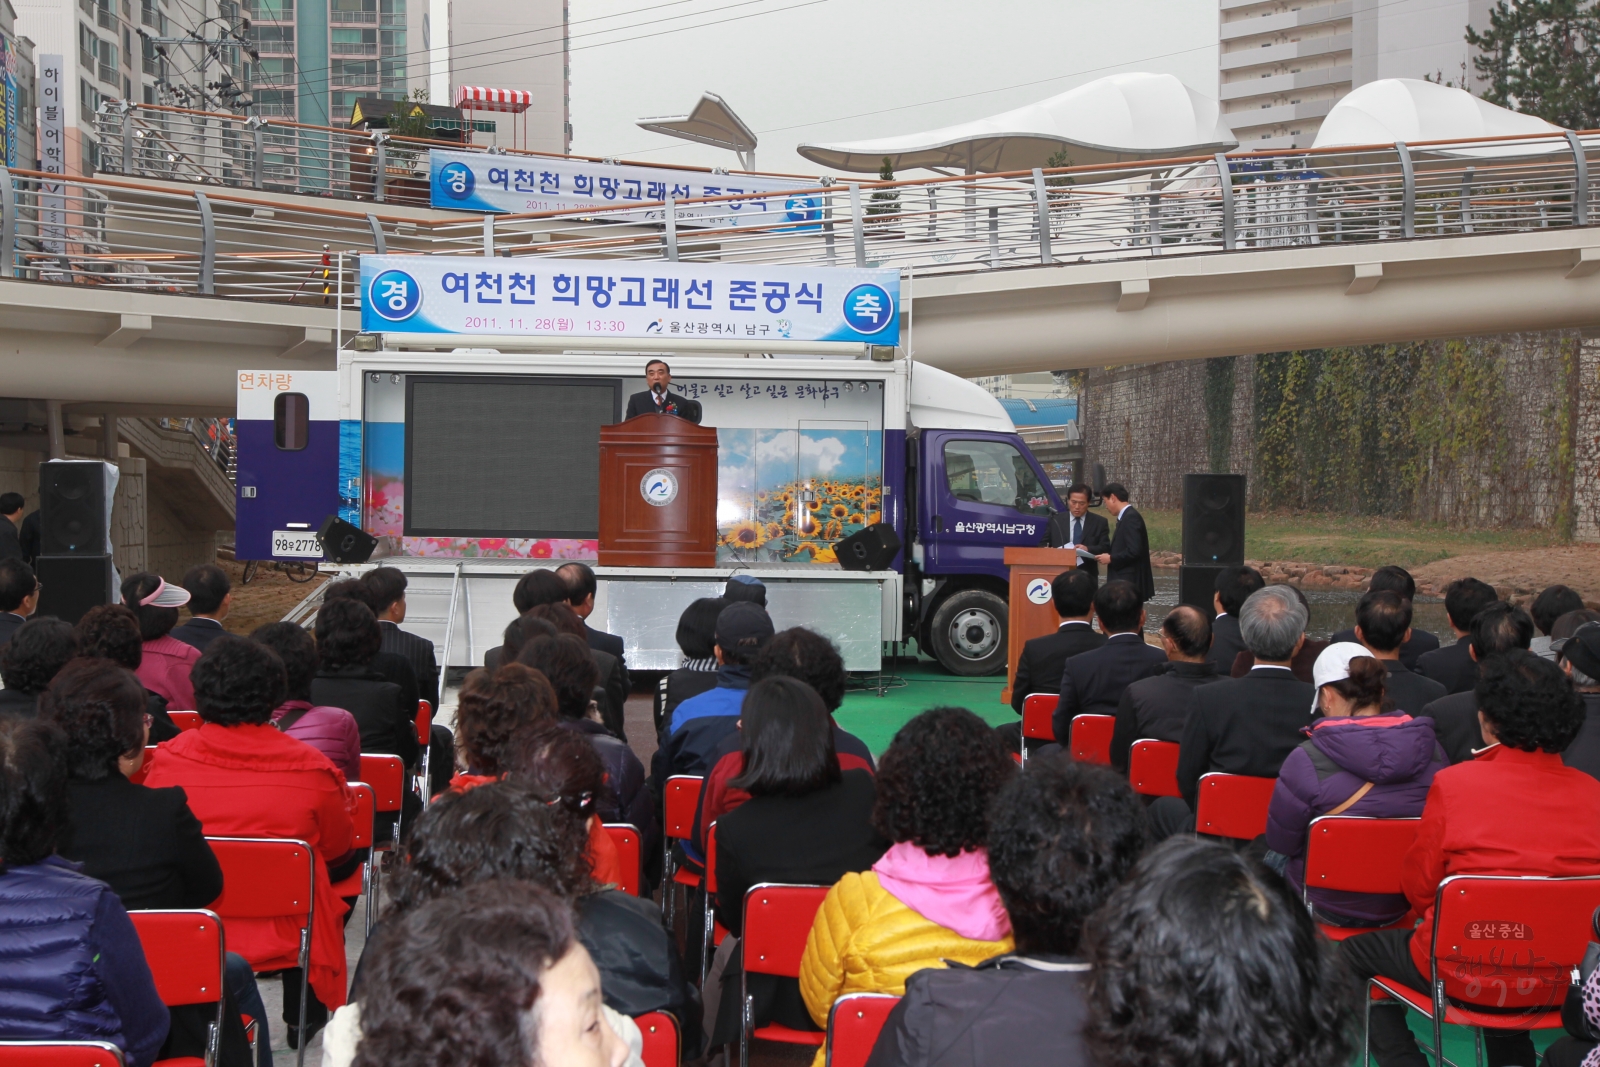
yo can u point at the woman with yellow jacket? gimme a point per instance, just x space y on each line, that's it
929 899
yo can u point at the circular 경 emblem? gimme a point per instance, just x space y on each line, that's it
659 487
1039 591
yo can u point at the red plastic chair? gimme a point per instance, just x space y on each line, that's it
777 920
854 1023
138 776
60 1054
1233 805
661 1041
186 956
1507 943
1153 768
680 799
359 883
1357 855
1090 739
185 720
424 723
268 878
625 836
386 775
1038 714
712 932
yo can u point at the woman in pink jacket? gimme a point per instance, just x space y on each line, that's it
164 670
331 731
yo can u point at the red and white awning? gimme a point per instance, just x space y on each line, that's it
479 98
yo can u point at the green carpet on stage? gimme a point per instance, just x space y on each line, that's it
876 719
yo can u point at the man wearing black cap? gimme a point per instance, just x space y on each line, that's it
1579 656
700 723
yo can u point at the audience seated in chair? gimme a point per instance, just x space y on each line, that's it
166 662
1062 836
1578 653
1206 957
1040 662
493 710
144 843
563 768
611 692
210 600
1497 629
1301 662
1515 810
1399 580
1231 589
38 649
1383 622
1552 603
1364 757
929 900
386 596
492 974
111 632
1245 725
1092 682
1158 706
348 643
700 724
806 822
244 778
1452 666
697 669
331 731
86 980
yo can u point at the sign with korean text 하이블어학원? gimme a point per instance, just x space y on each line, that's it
52 154
529 297
475 181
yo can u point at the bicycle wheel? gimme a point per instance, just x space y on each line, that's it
299 571
250 568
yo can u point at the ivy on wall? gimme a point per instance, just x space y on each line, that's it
1219 411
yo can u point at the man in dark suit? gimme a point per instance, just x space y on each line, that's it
1244 725
19 597
1398 580
658 399
11 505
386 589
210 599
1158 706
1233 587
1453 666
1129 557
1496 630
1092 682
1079 528
581 582
1383 621
1042 658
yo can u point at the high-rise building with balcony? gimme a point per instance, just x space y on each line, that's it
1283 64
514 46
18 128
319 56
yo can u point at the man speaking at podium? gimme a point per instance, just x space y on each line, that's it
659 399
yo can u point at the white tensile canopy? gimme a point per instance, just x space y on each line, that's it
1110 120
1406 109
711 122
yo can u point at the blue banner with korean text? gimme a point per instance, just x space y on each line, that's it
600 298
475 181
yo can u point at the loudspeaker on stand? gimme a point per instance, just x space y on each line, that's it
871 548
1213 520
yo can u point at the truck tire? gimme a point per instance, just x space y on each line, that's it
967 634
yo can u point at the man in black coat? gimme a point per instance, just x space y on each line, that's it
1244 725
1092 682
1383 622
1453 666
1042 658
1496 630
11 506
1398 580
581 580
19 597
1080 528
1129 557
386 595
659 399
1233 587
1158 706
210 599
1580 658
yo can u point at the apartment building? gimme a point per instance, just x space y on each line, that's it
317 57
18 95
1283 64
514 46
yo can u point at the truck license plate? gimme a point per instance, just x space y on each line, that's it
295 544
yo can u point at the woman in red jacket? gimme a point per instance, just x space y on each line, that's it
244 778
1514 810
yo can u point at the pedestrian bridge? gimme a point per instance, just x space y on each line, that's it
151 285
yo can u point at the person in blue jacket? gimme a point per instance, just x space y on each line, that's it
71 965
700 723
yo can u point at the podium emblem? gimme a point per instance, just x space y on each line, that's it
1039 591
659 487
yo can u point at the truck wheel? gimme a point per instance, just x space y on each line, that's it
968 633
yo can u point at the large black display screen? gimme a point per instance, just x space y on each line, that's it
511 456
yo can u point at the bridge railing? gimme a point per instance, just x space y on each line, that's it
249 244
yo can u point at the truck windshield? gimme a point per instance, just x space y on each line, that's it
993 472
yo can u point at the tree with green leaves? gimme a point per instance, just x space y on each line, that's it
885 201
1542 57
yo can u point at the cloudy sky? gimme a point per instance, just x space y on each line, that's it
836 70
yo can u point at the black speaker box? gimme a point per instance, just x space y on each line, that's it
869 549
71 585
1213 519
1197 585
344 543
73 513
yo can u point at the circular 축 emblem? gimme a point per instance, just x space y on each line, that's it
394 295
456 181
659 487
868 308
1039 591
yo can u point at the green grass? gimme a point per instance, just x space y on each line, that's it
1353 542
876 719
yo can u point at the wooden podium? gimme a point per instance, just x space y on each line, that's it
1027 619
658 493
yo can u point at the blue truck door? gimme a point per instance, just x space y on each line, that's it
988 492
288 472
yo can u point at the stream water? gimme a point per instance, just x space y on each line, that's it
1332 610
